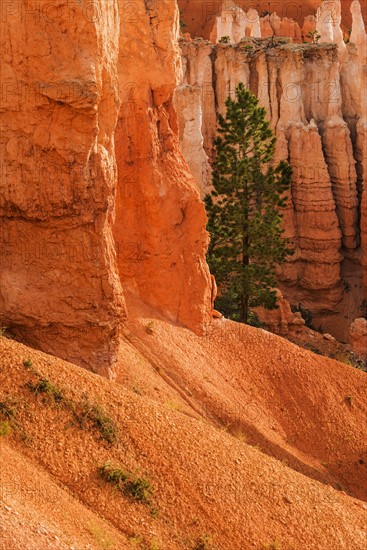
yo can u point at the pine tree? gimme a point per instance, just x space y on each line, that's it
244 218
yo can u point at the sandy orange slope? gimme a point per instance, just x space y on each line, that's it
299 407
206 480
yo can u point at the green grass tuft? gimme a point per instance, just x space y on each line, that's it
5 428
94 415
44 386
129 484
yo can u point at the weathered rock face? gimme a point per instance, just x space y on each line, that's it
160 220
354 85
59 287
189 109
312 94
358 337
291 17
68 246
282 320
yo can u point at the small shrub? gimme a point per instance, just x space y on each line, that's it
225 40
204 543
130 485
314 36
27 363
96 416
2 331
139 488
5 428
7 410
44 386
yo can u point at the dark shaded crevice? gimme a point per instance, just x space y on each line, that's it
213 59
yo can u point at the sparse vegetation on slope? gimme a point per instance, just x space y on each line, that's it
128 483
87 415
205 480
93 415
44 386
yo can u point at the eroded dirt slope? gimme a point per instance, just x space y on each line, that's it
300 407
205 480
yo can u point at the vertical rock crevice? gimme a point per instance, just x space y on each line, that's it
160 220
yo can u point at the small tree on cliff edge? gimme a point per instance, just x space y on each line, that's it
244 218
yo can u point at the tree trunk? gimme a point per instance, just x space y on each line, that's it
244 309
245 257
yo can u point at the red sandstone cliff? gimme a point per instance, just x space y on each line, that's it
59 287
71 73
160 220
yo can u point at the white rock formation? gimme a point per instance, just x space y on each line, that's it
317 101
188 102
328 22
234 23
358 35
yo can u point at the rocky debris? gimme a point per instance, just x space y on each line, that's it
358 337
269 435
283 320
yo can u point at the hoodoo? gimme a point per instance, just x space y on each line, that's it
313 96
